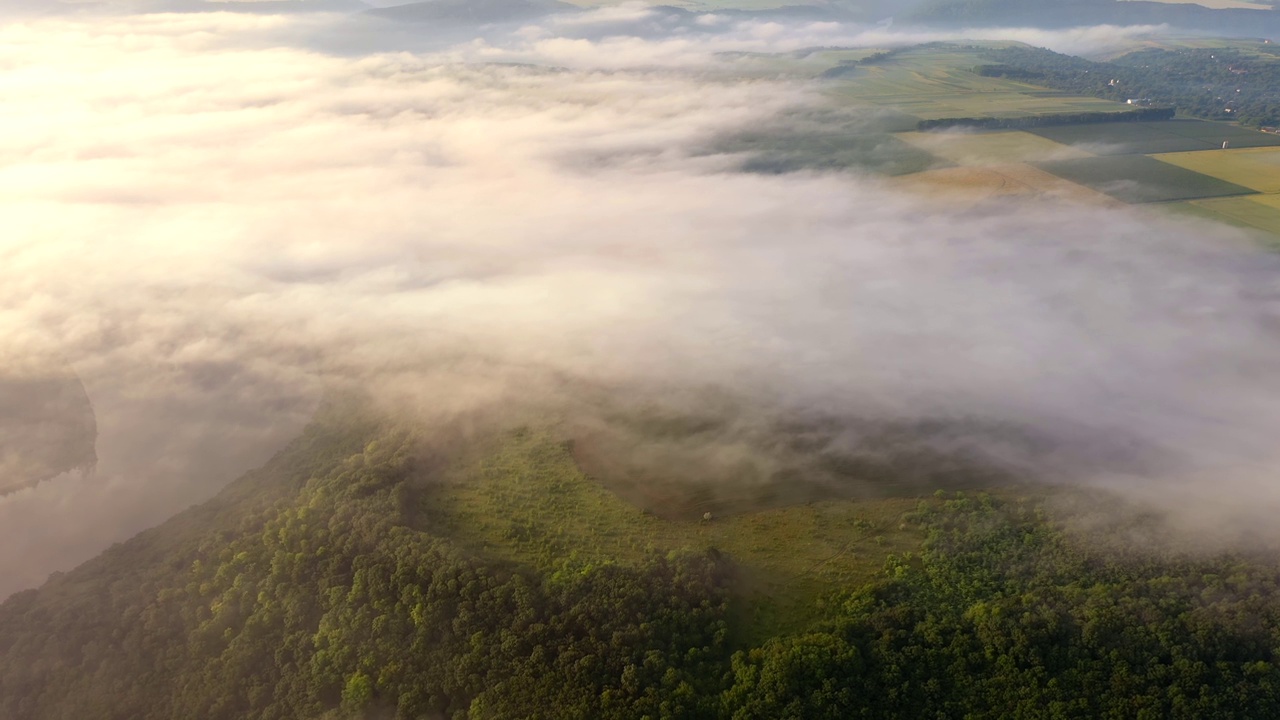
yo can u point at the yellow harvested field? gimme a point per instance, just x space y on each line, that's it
1271 201
977 183
1254 168
983 148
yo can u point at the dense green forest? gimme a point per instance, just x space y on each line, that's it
313 588
1219 84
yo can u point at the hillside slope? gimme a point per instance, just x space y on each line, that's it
355 575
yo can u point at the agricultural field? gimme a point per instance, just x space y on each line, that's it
1255 212
1254 168
1244 212
1175 165
1146 138
786 150
975 183
524 499
1141 179
970 147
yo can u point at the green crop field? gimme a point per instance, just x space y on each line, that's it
1140 179
1258 212
524 499
1145 138
1256 168
988 147
1252 212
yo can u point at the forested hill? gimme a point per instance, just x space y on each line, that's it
1231 83
313 588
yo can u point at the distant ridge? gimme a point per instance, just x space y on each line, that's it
472 11
1075 13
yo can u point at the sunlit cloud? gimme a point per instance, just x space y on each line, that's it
212 224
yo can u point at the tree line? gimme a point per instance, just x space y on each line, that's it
1048 119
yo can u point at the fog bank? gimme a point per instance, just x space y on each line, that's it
212 223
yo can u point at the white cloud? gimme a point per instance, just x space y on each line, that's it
569 40
211 226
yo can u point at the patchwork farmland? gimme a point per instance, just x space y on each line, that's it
1069 147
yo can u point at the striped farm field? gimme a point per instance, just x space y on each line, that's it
1163 136
1254 168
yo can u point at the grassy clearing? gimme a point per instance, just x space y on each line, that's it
1146 138
1140 179
525 500
1255 168
986 148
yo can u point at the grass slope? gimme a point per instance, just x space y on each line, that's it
523 499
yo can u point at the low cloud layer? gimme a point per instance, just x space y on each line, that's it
210 227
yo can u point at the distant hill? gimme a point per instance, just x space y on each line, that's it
269 7
473 11
1074 13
